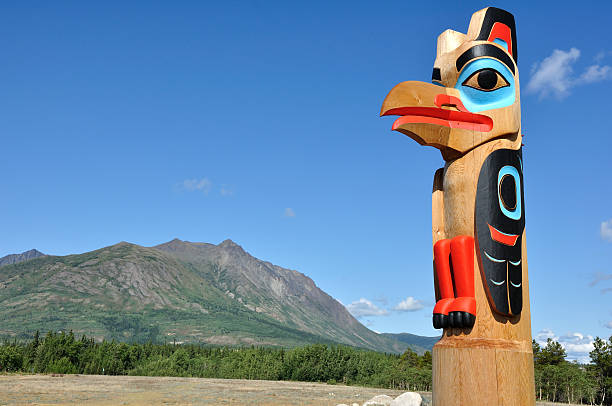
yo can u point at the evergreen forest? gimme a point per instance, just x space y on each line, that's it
556 378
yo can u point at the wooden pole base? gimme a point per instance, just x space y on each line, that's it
479 371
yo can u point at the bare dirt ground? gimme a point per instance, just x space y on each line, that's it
100 390
141 391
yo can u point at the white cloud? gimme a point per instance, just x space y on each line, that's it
363 307
410 304
609 324
553 76
226 192
381 299
599 277
601 55
594 73
193 185
289 212
606 230
577 345
545 334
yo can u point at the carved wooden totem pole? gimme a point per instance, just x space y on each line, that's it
472 115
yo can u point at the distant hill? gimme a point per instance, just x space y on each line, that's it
177 291
24 256
419 344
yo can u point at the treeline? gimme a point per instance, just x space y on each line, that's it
66 354
558 380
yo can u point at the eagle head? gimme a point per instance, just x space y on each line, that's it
475 95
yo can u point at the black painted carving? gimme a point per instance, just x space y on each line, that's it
494 15
507 187
500 221
435 75
484 50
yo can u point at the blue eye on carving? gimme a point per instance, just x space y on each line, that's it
509 192
477 98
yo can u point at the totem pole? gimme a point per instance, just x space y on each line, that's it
472 115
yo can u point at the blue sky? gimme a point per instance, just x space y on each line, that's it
258 121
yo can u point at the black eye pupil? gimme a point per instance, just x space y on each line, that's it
487 79
507 190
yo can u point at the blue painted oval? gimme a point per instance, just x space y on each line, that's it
511 171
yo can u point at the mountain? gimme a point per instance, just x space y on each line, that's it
419 344
178 291
24 256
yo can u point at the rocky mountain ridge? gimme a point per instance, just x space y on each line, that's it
177 291
24 256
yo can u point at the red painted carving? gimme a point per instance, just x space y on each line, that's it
506 239
456 283
439 116
501 31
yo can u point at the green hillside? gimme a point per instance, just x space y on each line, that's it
178 291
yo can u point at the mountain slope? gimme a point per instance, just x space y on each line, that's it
24 256
188 292
287 296
419 344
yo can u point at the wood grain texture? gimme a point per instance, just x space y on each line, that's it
437 206
497 351
492 363
476 84
448 41
470 376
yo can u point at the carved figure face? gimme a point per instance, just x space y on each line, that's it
474 97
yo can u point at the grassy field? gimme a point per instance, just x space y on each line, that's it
101 390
